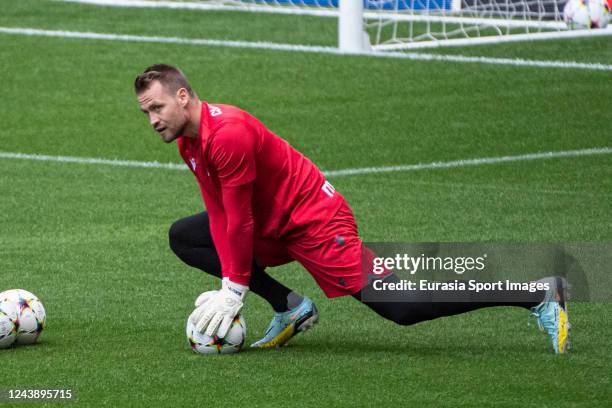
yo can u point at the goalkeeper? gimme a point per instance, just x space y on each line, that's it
268 205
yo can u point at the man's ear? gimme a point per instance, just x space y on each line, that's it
183 96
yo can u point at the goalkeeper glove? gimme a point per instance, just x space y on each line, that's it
216 309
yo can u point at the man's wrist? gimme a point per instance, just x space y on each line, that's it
235 288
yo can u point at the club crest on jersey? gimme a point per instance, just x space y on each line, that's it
214 110
328 189
193 163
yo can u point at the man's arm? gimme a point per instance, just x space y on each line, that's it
218 226
232 157
237 202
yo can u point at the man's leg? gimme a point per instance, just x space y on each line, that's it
192 242
408 307
337 259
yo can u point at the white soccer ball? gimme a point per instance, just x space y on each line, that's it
576 14
30 316
8 328
599 13
231 343
14 294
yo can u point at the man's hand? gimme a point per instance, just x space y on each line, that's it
216 309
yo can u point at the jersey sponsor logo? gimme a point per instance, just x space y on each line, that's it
214 110
328 189
193 163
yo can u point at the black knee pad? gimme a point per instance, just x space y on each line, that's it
406 319
403 313
401 317
174 236
189 231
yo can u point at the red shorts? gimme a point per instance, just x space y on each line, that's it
332 254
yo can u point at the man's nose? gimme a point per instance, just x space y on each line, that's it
153 119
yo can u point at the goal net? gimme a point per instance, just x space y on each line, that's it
404 24
393 25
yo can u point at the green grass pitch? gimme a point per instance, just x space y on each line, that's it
91 241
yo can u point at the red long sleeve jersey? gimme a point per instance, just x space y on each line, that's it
236 158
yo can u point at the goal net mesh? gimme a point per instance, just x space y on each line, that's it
398 24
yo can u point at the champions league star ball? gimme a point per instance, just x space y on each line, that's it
599 12
27 312
576 14
587 13
231 343
8 329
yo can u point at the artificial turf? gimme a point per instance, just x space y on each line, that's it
91 241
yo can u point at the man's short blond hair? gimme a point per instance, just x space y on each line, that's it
170 77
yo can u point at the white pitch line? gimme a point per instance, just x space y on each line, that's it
303 48
190 5
329 173
470 162
92 160
164 40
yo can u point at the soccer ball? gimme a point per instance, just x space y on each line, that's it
231 343
28 315
8 328
576 14
599 13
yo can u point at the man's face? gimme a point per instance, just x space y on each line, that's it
167 113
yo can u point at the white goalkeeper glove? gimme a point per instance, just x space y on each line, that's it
216 309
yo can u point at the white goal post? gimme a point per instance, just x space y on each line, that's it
396 25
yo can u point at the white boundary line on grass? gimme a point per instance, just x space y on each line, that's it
220 6
330 173
303 48
470 162
93 160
